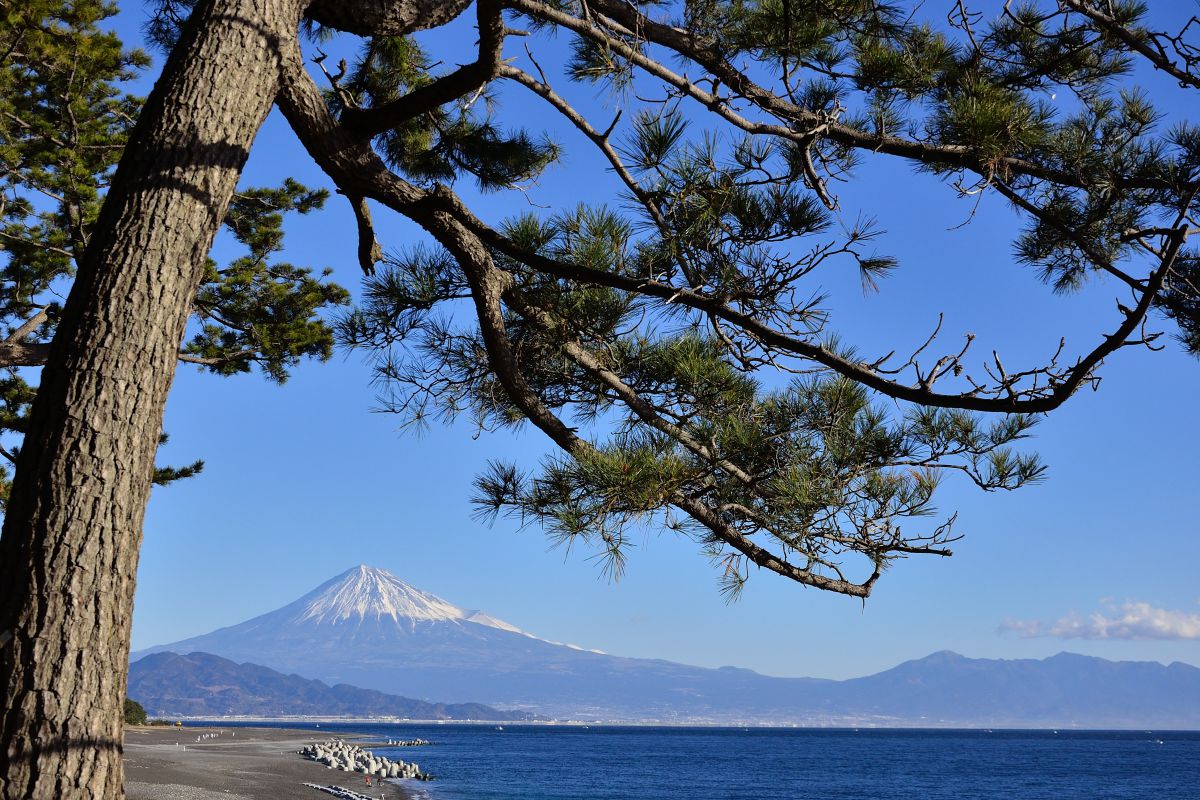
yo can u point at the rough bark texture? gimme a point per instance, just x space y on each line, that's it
23 354
69 549
385 17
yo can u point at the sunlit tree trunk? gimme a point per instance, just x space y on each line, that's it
69 548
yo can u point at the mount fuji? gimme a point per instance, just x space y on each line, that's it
369 629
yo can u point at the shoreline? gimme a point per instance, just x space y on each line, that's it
312 724
234 763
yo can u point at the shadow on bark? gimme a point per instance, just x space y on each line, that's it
64 746
191 154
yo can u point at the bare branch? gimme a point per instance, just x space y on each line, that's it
1156 55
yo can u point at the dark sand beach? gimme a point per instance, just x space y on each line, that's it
237 764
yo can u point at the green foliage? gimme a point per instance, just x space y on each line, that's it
732 215
816 467
62 127
1181 301
447 141
64 123
677 345
600 64
914 65
991 118
134 713
166 475
166 22
255 311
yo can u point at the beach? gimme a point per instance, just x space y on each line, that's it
232 764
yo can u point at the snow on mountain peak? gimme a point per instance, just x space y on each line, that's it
366 592
481 618
370 593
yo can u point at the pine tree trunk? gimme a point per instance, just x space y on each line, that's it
69 548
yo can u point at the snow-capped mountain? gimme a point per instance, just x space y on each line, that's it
365 593
371 595
369 629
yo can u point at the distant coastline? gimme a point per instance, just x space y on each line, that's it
294 663
303 723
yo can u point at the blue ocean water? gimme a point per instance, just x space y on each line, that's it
537 762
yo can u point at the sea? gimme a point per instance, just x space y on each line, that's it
558 762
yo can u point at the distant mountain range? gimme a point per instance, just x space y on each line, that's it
368 628
203 685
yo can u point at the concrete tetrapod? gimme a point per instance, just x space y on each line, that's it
337 754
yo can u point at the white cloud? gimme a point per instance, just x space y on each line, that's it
1128 621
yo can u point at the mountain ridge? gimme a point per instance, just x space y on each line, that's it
440 652
171 684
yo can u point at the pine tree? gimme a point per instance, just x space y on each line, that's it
647 339
64 122
134 713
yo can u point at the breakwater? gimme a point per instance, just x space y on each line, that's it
337 754
339 792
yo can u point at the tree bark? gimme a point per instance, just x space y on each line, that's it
73 528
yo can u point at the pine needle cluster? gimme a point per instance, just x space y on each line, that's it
677 345
65 120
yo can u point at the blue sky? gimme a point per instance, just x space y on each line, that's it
304 481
